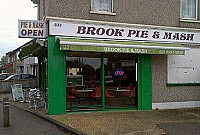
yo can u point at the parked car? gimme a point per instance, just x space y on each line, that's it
3 76
20 77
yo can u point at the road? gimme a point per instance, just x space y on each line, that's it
25 123
181 128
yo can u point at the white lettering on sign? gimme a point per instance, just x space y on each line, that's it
32 29
104 31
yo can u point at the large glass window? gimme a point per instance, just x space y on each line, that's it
102 5
83 81
189 9
120 80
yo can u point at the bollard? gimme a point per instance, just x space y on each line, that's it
6 122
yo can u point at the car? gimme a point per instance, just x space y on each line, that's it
20 77
3 76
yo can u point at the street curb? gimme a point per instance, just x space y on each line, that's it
65 128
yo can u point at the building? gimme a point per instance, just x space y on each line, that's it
27 65
129 50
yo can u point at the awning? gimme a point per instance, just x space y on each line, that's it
33 48
117 46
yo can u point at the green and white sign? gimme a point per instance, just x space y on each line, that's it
120 50
86 35
91 45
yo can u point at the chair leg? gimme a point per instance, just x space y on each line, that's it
35 106
91 101
70 102
44 104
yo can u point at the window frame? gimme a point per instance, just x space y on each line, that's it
196 14
102 11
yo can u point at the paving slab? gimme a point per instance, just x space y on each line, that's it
181 128
128 122
24 123
123 122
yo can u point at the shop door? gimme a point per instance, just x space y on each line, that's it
120 80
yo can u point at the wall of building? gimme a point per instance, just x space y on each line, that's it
163 93
148 12
43 7
18 66
28 65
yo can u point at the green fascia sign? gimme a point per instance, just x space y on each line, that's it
74 44
120 49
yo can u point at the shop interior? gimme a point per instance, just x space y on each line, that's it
84 84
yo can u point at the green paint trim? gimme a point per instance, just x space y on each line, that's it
103 98
183 84
89 106
119 42
144 82
120 49
139 90
105 110
44 86
120 109
40 72
56 78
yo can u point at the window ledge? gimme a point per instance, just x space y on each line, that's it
103 13
190 21
183 84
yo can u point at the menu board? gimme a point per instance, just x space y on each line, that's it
17 92
74 80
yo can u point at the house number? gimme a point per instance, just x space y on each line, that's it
57 24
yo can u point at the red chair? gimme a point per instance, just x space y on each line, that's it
96 95
70 98
107 95
130 93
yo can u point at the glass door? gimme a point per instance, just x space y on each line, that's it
120 80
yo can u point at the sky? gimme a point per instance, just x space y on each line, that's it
10 12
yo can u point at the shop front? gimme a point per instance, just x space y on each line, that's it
100 66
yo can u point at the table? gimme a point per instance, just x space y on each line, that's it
123 90
86 90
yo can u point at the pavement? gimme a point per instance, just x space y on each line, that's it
181 128
154 122
25 123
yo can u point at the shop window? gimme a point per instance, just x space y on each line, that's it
102 5
188 9
84 88
83 81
